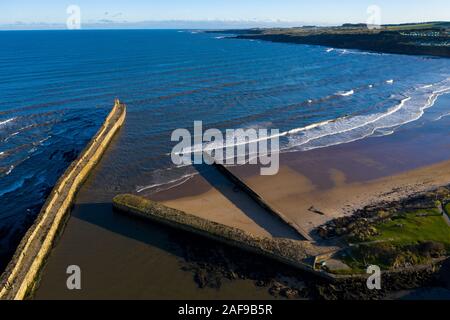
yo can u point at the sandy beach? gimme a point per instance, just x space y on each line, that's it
314 187
303 200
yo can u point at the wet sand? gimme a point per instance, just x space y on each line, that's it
128 258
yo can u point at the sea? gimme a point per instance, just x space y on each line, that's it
57 87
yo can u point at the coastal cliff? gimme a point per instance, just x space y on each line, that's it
428 39
19 278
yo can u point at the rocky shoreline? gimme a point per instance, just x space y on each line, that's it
427 39
214 265
379 43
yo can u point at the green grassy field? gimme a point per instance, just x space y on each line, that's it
408 238
411 27
411 228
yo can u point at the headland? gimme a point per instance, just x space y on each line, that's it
432 38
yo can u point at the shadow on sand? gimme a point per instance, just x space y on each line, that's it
272 224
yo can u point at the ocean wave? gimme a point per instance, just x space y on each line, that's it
343 125
382 133
6 121
11 136
10 169
442 116
390 81
346 93
168 184
345 130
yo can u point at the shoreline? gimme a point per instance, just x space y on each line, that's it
18 279
392 39
370 44
298 198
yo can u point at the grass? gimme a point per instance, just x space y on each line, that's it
409 228
409 238
411 26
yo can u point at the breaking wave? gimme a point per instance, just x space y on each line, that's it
348 129
6 121
346 93
166 185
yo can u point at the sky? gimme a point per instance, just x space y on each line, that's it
154 12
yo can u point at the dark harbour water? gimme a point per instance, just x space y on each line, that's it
56 87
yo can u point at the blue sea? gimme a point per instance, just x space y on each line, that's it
56 88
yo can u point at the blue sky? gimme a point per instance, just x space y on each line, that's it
304 11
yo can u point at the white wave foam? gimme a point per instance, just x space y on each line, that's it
42 140
347 129
346 93
170 183
11 168
343 125
442 116
391 81
330 49
382 133
11 135
354 128
6 121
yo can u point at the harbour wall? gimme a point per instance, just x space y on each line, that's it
296 253
19 277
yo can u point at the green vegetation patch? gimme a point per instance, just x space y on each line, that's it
414 227
418 26
405 239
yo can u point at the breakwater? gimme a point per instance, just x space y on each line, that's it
299 254
19 278
303 255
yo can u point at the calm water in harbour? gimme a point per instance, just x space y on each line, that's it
56 87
